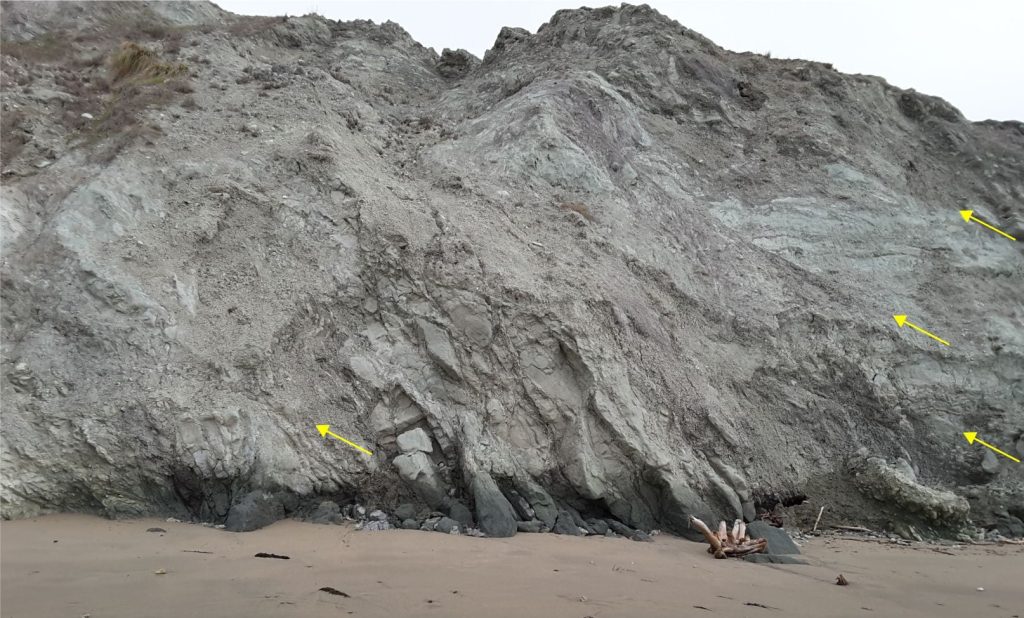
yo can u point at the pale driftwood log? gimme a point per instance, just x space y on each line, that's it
818 519
725 543
709 536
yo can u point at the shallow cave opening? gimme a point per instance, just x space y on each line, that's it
768 499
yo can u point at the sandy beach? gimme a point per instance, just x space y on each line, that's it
73 565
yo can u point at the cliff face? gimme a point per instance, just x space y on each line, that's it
611 266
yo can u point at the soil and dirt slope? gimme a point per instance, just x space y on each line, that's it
609 271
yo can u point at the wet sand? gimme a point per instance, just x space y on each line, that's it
73 565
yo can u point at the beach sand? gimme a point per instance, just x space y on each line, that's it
75 565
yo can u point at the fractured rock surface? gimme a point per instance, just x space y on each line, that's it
611 267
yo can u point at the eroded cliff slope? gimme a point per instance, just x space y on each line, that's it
610 266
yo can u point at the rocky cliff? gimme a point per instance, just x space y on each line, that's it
611 270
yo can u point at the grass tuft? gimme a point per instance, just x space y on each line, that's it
134 62
577 207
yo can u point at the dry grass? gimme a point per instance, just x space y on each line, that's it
114 88
577 207
138 80
134 62
50 47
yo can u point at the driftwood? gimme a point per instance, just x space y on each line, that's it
726 543
852 528
820 511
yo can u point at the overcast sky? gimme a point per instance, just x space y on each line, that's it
970 53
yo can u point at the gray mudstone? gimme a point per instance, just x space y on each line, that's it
1010 526
493 512
415 440
778 539
376 524
599 526
989 462
255 510
405 511
439 347
410 524
540 501
460 513
430 524
640 535
620 528
565 525
455 63
417 468
578 519
326 513
897 485
520 505
378 515
531 526
446 525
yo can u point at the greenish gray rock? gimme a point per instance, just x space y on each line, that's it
406 511
779 541
253 511
531 526
493 512
460 513
447 525
565 524
415 440
613 263
897 486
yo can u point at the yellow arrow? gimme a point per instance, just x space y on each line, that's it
972 437
325 430
968 216
902 319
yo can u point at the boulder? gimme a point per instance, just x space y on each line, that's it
779 542
531 526
989 462
447 525
410 524
1009 526
415 440
897 486
456 63
564 524
493 511
520 505
255 510
540 501
620 528
430 524
405 511
578 519
460 513
327 512
640 535
598 526
419 471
